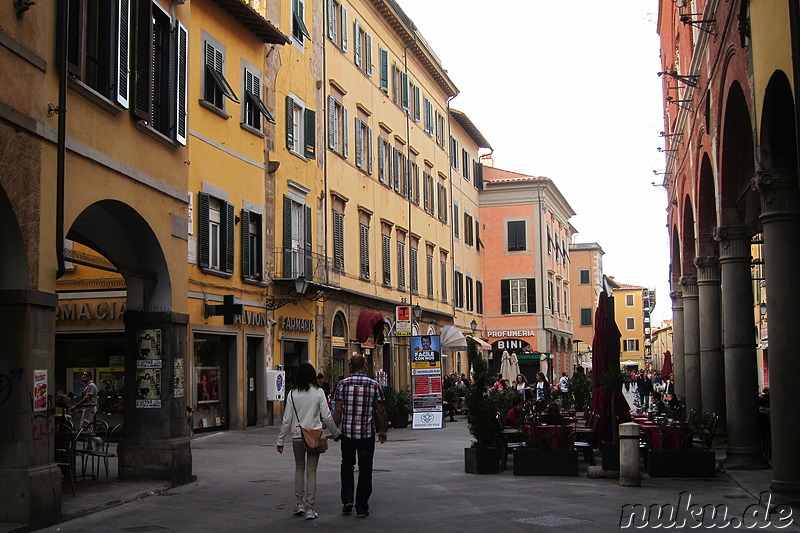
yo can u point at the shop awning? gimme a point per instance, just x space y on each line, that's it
486 347
370 322
452 339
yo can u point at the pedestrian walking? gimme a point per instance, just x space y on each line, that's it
306 406
359 406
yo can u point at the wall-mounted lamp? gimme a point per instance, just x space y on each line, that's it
654 184
664 134
762 309
686 18
301 286
690 80
417 310
473 326
665 151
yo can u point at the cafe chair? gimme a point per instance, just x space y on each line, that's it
509 437
104 452
585 439
65 452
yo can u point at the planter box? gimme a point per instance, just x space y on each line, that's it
610 456
538 462
399 420
481 460
681 463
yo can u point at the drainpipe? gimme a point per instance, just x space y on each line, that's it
63 21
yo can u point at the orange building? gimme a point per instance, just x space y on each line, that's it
586 272
526 231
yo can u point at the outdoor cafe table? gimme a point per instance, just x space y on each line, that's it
546 433
673 436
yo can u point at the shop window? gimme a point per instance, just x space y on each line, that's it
211 379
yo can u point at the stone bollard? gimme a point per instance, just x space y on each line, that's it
629 473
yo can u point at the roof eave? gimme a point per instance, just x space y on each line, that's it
253 21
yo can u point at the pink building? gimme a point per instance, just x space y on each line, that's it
526 232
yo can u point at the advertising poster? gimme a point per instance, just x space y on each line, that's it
403 321
40 390
150 344
148 388
179 380
426 382
208 385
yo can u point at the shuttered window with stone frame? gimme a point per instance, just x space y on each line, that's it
414 271
216 86
443 265
98 39
429 273
301 128
338 241
159 71
479 297
297 240
518 296
254 108
364 251
363 146
469 293
387 259
401 266
458 290
252 246
215 238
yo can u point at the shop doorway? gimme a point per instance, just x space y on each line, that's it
253 349
211 365
294 353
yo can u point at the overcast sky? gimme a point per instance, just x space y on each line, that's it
569 90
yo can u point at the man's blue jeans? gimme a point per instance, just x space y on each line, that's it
365 449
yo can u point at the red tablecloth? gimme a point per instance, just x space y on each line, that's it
545 436
671 437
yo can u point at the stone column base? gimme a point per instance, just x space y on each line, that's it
744 459
31 495
162 460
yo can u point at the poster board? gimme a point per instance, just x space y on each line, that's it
426 382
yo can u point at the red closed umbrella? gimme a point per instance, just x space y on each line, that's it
666 370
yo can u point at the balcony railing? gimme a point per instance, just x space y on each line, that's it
293 263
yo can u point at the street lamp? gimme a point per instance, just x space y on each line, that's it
417 310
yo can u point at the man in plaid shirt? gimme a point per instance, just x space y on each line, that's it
359 405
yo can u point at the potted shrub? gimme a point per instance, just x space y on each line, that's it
483 457
398 406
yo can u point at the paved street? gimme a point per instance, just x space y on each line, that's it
243 484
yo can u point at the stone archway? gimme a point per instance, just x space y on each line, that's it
156 444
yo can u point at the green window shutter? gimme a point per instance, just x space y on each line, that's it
384 70
357 44
287 237
531 282
331 20
368 54
311 134
289 123
144 62
404 90
230 224
180 107
344 29
202 228
74 48
123 42
246 244
332 132
416 104
338 241
345 127
309 263
505 296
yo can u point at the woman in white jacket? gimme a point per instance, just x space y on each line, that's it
305 406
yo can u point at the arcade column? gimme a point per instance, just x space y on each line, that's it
780 218
738 341
30 481
157 440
